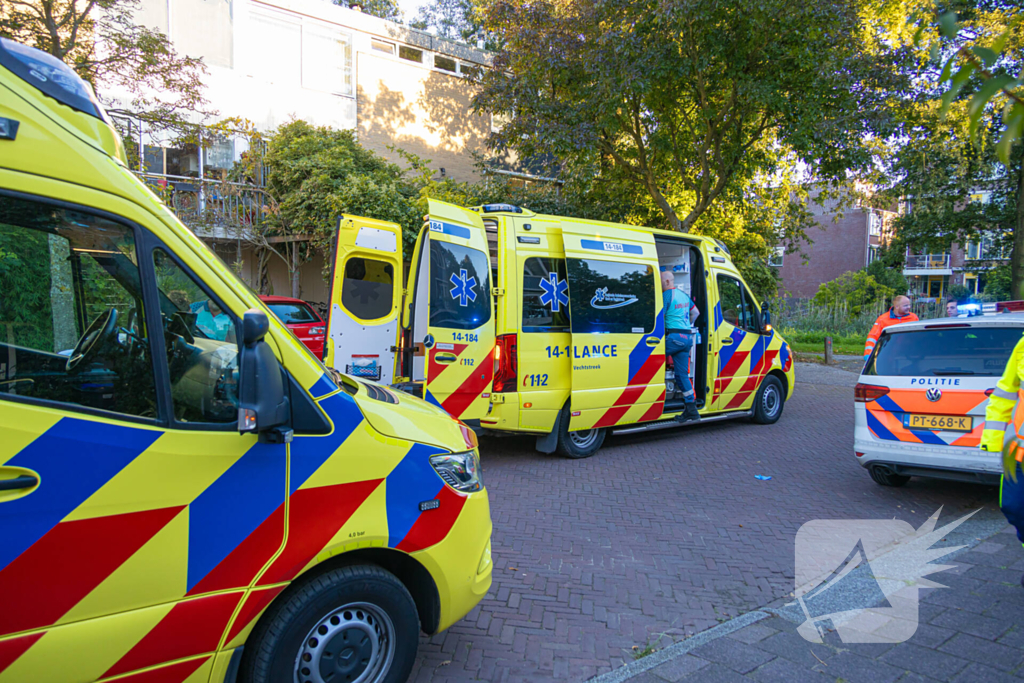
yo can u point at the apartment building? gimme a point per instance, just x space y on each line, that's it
846 239
273 60
930 275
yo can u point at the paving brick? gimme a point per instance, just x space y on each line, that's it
678 668
931 636
752 633
976 649
615 547
737 656
980 672
850 667
925 661
716 673
978 625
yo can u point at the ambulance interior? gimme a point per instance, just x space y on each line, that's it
683 260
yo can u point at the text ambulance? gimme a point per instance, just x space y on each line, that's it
186 493
519 322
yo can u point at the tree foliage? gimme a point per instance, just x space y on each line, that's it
102 42
688 102
855 290
457 20
385 9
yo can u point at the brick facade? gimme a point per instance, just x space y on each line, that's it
836 247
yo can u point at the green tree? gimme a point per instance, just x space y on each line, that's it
887 275
385 9
854 290
452 19
100 40
689 103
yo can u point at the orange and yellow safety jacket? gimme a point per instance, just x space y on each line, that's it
885 320
1004 415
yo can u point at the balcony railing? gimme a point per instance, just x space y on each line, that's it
211 208
927 262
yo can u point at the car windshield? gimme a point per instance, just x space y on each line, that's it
945 351
294 314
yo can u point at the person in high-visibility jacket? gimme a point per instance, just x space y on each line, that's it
899 313
1004 432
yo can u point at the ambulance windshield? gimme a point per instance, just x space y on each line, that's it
944 352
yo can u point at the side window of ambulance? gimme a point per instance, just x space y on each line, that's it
737 305
610 297
202 351
72 327
368 288
545 295
459 286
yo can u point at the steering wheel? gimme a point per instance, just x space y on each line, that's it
93 339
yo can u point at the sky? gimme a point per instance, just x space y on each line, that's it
411 8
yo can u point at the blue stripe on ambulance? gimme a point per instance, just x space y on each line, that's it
325 385
308 453
74 459
412 482
613 247
449 229
641 352
231 508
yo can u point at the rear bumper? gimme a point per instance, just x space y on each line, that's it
923 460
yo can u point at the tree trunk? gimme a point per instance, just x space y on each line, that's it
294 270
1017 258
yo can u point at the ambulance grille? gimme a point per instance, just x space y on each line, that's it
379 393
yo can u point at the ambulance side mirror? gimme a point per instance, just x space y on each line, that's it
766 316
262 398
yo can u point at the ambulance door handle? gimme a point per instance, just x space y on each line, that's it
25 481
653 341
726 341
445 358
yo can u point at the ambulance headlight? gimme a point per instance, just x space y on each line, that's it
461 471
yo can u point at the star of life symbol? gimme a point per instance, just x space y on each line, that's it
861 577
463 289
556 292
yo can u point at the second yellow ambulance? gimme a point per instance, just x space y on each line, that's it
518 322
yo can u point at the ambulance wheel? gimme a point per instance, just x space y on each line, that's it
356 624
581 444
769 401
886 477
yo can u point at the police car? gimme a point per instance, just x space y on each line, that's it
921 398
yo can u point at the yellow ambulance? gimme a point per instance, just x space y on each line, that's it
518 322
186 493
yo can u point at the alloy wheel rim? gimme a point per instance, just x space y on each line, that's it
770 401
352 644
584 438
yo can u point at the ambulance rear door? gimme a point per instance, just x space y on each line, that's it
737 342
617 324
459 339
366 295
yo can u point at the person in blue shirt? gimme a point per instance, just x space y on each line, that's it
680 314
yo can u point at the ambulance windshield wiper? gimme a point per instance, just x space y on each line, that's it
954 372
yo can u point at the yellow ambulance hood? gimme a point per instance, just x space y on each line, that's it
400 415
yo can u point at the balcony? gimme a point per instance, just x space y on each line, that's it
213 209
927 264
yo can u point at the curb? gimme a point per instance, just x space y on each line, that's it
681 648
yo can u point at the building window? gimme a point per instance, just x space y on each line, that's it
367 289
470 71
382 46
282 64
445 63
499 121
874 223
777 257
872 254
410 53
988 248
326 59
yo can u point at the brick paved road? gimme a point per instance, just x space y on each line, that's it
664 533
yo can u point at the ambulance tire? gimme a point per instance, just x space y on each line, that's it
769 401
363 609
578 445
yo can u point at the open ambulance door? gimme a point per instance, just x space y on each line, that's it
451 312
366 295
618 326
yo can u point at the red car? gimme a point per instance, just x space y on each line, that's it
301 319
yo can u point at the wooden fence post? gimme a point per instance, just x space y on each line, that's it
828 350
